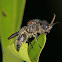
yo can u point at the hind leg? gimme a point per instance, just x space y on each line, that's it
37 40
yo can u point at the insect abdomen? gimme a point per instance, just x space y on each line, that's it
21 39
18 45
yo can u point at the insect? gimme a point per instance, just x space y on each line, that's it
33 27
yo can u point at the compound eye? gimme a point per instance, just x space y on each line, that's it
31 22
46 27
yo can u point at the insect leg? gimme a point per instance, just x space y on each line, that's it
31 45
45 33
29 42
14 41
37 40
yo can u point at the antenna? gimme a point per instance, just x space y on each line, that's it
53 19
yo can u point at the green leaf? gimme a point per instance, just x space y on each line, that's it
34 52
11 15
27 53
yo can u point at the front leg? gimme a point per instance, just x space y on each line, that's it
37 39
45 33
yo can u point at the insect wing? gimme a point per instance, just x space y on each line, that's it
13 35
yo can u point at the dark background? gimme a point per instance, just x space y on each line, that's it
44 9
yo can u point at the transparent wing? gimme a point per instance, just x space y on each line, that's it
13 35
